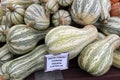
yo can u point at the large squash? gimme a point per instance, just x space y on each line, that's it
22 39
69 39
111 27
85 12
96 58
21 67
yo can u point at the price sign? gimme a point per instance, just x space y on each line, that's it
56 62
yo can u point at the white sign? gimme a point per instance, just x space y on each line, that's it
56 62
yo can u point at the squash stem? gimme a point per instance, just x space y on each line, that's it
62 21
31 24
10 7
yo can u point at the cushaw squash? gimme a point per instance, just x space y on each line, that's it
96 58
36 13
85 12
105 10
5 54
23 66
22 38
112 27
69 39
116 59
15 14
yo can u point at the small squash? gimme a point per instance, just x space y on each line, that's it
69 39
51 6
65 2
15 14
61 17
21 67
115 9
36 13
96 58
85 12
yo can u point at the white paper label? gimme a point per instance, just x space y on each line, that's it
56 62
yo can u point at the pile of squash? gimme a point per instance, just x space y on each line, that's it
31 29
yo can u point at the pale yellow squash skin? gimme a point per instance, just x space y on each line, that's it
69 39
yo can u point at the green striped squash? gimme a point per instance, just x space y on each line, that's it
96 58
24 3
69 39
36 13
3 33
116 59
15 14
105 8
22 39
21 67
61 17
65 2
85 12
111 27
5 54
51 6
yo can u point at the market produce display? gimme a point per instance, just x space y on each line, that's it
86 29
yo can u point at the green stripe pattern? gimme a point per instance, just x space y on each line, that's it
85 11
36 13
5 54
105 8
21 67
65 2
112 27
22 39
96 58
69 39
17 15
51 6
61 17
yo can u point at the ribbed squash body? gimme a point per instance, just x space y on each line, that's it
61 17
116 59
22 39
24 3
105 9
85 12
69 39
15 14
5 54
23 66
36 13
112 27
4 27
96 58
51 6
65 2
